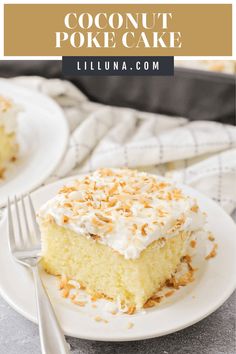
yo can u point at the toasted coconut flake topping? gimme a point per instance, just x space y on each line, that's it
143 229
211 237
131 310
213 252
169 293
193 243
125 209
65 219
195 208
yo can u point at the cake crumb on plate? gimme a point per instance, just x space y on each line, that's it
130 325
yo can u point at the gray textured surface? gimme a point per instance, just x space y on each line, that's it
213 335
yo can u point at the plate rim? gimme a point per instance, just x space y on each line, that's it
59 111
153 334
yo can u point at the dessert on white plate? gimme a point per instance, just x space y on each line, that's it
27 120
213 283
8 129
120 233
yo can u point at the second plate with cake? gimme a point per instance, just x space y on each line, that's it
34 136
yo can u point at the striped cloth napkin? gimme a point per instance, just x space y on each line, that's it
201 154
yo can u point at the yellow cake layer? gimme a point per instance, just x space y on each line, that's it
102 270
8 149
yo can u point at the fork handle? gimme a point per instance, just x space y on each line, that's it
51 337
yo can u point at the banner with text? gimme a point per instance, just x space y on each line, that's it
117 30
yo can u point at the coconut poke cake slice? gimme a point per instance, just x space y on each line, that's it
8 126
118 232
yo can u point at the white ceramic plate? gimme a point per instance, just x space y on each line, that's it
42 135
215 281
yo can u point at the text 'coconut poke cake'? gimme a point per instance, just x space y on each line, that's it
118 232
8 141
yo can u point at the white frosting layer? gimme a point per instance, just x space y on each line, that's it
124 209
8 115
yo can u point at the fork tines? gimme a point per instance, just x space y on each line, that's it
25 233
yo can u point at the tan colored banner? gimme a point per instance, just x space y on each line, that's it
117 30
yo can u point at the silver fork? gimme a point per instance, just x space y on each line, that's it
25 249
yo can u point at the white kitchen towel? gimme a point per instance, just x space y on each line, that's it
201 154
